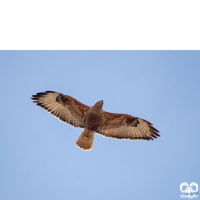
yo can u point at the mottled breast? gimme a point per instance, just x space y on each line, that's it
92 121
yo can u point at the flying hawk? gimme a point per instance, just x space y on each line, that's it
94 119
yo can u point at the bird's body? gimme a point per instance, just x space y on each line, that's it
94 115
94 119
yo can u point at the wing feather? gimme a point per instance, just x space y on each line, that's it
64 107
123 126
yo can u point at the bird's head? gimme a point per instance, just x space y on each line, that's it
98 105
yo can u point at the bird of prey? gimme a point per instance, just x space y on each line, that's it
94 120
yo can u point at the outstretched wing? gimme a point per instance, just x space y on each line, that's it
64 107
123 126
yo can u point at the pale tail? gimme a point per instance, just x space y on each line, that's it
85 140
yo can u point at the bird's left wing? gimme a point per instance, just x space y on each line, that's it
123 126
64 107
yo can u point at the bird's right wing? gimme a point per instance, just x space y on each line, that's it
64 107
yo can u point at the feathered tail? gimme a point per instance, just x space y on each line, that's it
85 140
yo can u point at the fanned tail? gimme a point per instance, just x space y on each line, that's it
85 140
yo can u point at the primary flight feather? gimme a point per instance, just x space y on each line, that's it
94 119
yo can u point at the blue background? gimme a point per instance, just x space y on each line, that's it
38 156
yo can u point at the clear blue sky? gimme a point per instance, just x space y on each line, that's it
38 156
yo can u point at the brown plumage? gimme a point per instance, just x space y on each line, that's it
94 119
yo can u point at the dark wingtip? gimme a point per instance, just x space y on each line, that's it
155 129
154 132
157 134
40 93
48 91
